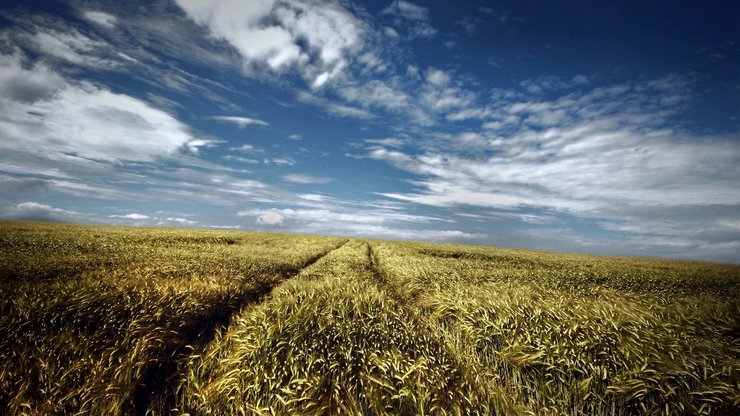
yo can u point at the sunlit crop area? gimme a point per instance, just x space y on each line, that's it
109 320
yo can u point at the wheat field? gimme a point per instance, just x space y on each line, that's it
125 321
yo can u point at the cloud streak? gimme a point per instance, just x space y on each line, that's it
100 18
335 217
302 178
241 121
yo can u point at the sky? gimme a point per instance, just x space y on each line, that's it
590 126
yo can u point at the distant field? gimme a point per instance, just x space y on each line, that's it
111 320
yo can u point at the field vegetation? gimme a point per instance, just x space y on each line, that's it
97 320
112 320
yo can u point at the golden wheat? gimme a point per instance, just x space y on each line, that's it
113 320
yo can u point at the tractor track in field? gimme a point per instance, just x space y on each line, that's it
423 325
382 281
159 382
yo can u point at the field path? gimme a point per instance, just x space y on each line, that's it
160 381
382 281
497 402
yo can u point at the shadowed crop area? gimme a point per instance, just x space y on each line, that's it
111 320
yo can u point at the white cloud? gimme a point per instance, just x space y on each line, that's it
363 222
245 148
444 195
181 220
380 231
132 216
241 121
80 189
439 96
84 141
438 78
27 86
100 18
281 161
398 159
306 179
411 18
469 25
333 107
415 101
313 36
271 218
37 211
313 197
408 10
241 159
372 63
391 32
388 142
519 216
592 154
321 79
466 114
324 213
194 146
45 114
569 166
494 62
528 218
20 186
295 137
271 44
374 93
71 46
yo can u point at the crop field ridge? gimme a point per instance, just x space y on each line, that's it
161 379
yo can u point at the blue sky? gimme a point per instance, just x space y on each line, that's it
591 126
